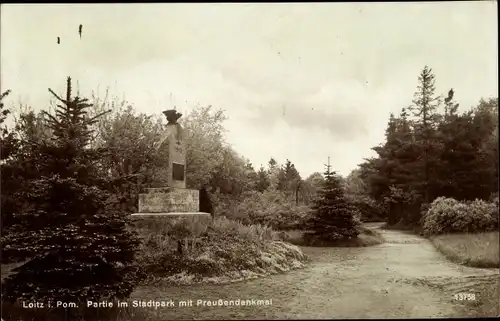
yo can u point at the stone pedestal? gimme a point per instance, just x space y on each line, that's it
169 200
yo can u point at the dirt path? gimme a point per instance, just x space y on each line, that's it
405 277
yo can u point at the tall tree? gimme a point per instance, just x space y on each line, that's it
425 104
78 241
292 180
280 180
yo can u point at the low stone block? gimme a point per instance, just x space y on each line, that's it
169 199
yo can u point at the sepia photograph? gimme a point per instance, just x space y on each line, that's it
236 161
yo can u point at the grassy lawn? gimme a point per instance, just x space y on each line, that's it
476 250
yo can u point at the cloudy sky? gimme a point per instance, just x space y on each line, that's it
297 81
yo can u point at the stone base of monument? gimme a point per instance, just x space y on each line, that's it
169 201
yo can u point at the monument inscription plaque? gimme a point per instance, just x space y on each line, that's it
178 172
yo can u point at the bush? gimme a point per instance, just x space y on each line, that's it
447 215
269 208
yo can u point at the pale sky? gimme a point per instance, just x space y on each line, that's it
301 81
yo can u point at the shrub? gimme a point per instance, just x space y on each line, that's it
269 208
447 215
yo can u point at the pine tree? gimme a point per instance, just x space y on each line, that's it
77 238
262 179
425 104
292 180
334 217
280 180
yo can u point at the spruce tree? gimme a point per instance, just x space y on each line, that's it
77 238
263 182
333 216
424 108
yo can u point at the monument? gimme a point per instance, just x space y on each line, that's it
174 199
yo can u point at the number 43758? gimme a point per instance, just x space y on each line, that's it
465 296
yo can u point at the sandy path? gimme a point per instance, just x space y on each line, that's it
402 278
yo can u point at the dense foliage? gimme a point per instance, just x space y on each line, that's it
431 150
70 226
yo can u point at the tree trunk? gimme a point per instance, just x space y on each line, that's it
179 247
